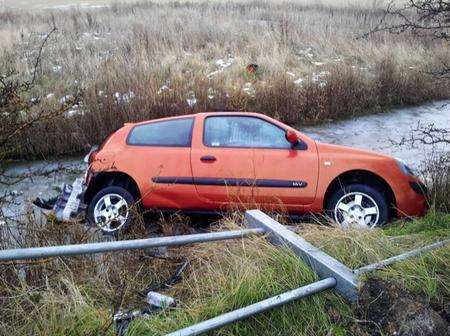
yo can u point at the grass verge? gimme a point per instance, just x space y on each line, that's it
77 296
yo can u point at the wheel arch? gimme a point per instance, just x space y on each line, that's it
364 177
106 179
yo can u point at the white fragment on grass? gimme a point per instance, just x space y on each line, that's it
50 95
306 53
57 68
211 93
299 81
76 109
318 63
249 89
64 99
212 74
222 64
225 63
163 89
191 100
101 93
290 73
319 78
127 97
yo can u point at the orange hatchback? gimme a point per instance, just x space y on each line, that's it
214 162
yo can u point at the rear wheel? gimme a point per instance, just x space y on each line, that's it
358 206
110 210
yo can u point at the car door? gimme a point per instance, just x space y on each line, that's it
246 159
158 155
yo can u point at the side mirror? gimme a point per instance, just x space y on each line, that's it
292 137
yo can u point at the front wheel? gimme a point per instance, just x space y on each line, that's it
110 210
358 206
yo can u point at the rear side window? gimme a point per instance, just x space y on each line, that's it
171 133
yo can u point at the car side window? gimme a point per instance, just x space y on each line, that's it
171 133
242 131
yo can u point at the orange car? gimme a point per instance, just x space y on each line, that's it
217 161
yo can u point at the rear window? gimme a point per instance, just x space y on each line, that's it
172 133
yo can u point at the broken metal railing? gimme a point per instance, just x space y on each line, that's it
256 308
333 273
135 244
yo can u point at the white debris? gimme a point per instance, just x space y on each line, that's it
50 95
191 100
65 98
290 73
225 64
318 63
222 64
249 89
163 88
299 81
57 68
211 93
212 74
306 52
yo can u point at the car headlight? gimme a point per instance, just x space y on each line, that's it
404 167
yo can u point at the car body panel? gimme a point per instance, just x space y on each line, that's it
295 180
266 176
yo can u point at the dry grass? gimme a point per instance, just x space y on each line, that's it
141 61
78 295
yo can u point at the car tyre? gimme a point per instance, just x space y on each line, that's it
111 210
358 206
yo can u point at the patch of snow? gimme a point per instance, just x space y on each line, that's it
127 97
225 64
299 81
163 89
222 64
212 74
191 100
249 89
211 93
63 100
306 53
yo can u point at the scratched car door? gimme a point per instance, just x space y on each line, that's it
246 159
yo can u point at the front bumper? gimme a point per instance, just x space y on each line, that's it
69 204
412 199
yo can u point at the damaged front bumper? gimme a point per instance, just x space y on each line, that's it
68 205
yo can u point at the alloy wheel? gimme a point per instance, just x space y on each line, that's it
111 212
357 210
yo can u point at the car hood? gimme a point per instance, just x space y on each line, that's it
345 150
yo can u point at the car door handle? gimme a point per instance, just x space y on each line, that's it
208 158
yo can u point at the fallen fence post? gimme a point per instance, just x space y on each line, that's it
403 256
323 264
256 308
135 244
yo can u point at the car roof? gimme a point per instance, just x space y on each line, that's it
201 113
